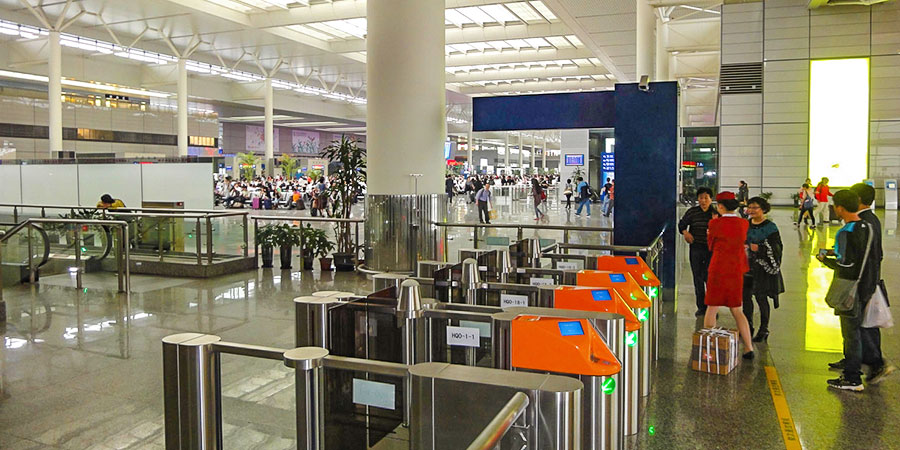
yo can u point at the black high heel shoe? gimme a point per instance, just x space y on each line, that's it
749 355
762 336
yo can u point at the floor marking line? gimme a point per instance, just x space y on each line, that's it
786 422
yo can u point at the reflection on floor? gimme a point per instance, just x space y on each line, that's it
82 368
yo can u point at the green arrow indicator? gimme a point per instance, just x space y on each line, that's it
608 386
643 314
631 338
651 430
654 291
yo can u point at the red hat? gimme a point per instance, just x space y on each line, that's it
726 195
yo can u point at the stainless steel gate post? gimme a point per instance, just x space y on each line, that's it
470 280
311 321
309 366
411 319
191 392
535 252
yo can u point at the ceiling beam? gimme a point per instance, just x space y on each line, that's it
324 12
512 57
558 7
538 86
496 75
475 34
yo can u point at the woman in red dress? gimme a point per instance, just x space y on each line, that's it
727 236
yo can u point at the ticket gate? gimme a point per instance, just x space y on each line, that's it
403 327
608 300
534 339
645 277
639 302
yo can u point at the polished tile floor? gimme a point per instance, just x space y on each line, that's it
77 374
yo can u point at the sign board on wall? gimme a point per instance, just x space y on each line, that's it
305 142
256 138
574 160
608 162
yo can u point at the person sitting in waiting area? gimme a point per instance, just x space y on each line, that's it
108 202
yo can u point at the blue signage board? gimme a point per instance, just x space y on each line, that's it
608 162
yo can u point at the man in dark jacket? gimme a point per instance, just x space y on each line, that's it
847 259
693 227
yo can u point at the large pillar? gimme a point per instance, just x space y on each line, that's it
645 44
662 55
506 153
406 129
269 127
182 113
54 94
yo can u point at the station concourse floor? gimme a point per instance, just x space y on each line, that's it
77 378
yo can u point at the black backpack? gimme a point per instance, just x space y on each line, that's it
586 191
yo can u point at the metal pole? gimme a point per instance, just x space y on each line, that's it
78 257
15 214
126 243
120 269
246 236
209 241
198 236
2 302
411 318
566 241
256 243
190 392
356 244
159 242
30 257
308 362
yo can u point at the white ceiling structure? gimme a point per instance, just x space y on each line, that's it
315 49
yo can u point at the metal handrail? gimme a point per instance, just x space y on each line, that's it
501 423
16 206
122 267
522 226
43 234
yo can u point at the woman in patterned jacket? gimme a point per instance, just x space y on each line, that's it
764 280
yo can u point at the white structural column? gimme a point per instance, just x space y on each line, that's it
406 124
269 126
182 113
470 145
544 154
645 43
54 93
521 154
662 56
506 152
533 167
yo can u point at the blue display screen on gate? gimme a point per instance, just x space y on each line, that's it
631 261
617 277
571 329
601 295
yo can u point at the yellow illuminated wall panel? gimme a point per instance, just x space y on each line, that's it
839 120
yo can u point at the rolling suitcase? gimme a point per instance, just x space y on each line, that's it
254 204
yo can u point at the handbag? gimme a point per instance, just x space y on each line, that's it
878 314
493 214
842 294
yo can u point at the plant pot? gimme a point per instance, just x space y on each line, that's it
308 261
343 262
325 264
267 254
286 257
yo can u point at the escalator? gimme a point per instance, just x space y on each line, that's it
15 251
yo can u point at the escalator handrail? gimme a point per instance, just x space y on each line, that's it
45 256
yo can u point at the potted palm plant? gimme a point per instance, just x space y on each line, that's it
247 163
310 237
348 181
265 237
283 236
316 243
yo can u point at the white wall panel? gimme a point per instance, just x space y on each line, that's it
50 184
885 87
119 180
10 183
190 183
741 109
885 28
839 32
